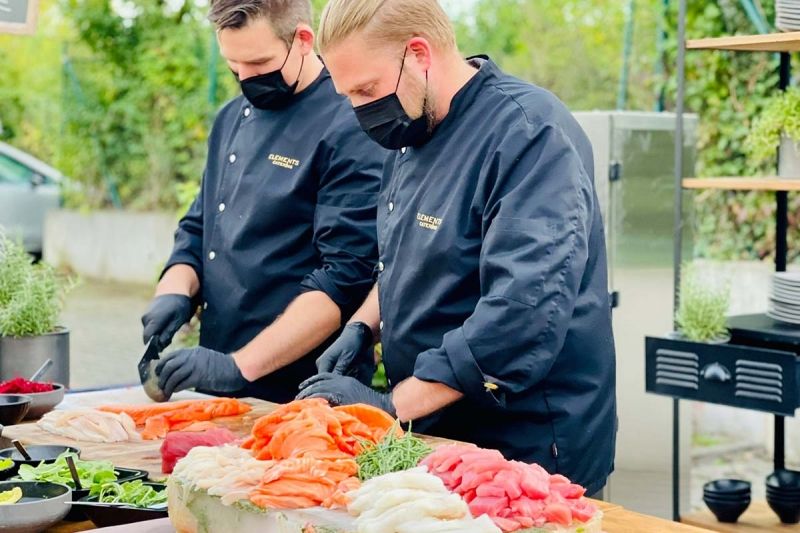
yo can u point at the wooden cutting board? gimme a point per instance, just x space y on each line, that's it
143 455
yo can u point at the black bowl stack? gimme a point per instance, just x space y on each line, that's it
783 495
727 498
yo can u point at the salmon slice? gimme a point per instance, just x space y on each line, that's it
372 417
160 419
313 428
305 482
156 427
194 427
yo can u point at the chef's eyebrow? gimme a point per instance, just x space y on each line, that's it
363 86
258 60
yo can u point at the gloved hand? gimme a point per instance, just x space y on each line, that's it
165 316
344 390
199 368
352 354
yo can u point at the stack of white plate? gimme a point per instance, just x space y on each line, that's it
787 15
784 299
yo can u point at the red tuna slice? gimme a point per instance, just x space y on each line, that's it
178 444
450 458
525 506
489 506
525 521
492 490
445 458
473 479
506 524
535 482
477 454
469 496
558 513
582 510
558 479
449 480
569 491
510 480
484 464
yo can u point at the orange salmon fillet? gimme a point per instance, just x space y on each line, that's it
314 428
160 419
306 482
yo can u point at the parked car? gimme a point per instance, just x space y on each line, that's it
29 188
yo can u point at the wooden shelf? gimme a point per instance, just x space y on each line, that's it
772 42
758 518
743 184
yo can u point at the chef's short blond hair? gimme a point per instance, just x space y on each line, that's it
386 22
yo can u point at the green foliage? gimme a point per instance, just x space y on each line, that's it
703 310
728 90
119 98
572 47
781 117
31 294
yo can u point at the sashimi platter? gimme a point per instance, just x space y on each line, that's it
312 468
309 467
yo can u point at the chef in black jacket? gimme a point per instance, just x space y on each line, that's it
492 296
279 246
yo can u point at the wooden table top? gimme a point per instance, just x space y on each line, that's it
146 456
758 518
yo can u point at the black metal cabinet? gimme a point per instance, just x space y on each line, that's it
740 376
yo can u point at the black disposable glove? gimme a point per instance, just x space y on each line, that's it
199 368
352 354
165 316
344 390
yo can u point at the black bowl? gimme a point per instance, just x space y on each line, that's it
124 475
727 487
13 408
117 515
39 454
783 490
727 497
788 512
42 506
784 498
727 512
785 480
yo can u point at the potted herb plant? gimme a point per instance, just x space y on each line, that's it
778 127
703 309
31 299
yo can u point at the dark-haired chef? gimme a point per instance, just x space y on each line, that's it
492 300
279 247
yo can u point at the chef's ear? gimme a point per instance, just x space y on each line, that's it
305 38
420 51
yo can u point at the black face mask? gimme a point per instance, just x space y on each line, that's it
388 124
270 90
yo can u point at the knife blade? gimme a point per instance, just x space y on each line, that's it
150 354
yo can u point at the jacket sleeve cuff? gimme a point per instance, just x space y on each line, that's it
320 280
454 365
183 258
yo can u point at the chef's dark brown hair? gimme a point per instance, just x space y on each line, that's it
283 15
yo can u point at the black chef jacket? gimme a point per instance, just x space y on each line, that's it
287 205
493 278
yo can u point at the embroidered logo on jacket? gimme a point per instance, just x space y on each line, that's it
428 221
283 161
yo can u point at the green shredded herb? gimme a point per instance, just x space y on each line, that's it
5 464
134 493
91 473
391 454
